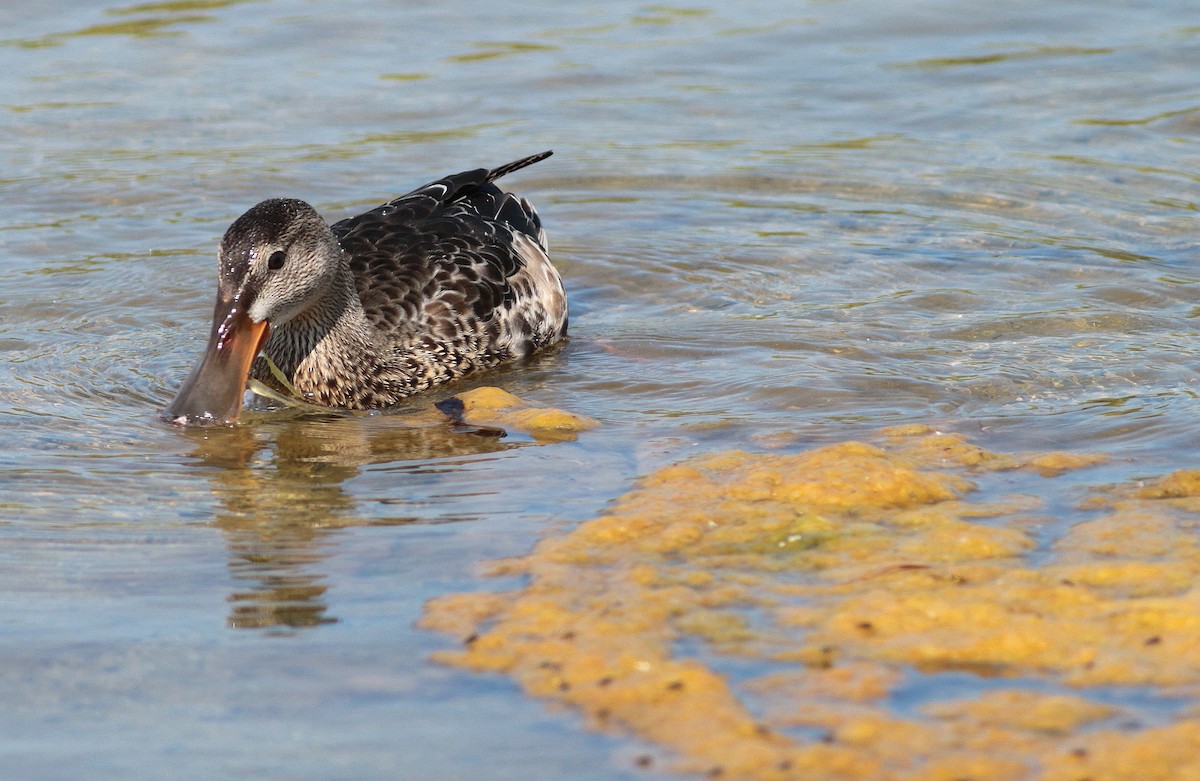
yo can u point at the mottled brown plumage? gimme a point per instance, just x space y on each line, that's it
448 279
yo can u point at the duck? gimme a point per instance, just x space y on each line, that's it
453 278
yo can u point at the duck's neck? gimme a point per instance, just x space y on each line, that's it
326 350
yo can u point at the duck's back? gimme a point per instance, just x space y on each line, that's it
457 267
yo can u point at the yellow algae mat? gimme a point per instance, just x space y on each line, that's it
842 570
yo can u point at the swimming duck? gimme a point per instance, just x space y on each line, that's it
449 279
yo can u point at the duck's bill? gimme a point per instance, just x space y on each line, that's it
212 393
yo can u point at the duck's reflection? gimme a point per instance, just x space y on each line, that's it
280 484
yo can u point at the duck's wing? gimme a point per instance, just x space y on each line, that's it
445 253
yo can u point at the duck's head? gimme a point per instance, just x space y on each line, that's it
275 261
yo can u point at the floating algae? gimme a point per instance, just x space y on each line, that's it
867 562
489 408
493 406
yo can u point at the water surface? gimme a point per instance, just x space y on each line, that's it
781 224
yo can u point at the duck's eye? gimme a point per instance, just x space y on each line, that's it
275 262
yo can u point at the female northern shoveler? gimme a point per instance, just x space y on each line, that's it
451 278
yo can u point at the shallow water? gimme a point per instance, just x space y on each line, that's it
781 225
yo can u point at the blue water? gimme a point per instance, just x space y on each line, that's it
781 224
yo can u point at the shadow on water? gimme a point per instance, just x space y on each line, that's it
280 491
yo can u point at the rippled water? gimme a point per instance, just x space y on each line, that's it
781 223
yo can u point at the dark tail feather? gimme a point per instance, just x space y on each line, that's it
516 165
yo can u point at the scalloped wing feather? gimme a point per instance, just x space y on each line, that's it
457 268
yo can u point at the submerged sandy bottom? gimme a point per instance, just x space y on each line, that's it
847 568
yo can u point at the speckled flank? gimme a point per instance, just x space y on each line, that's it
451 278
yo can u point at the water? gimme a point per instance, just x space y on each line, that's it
779 222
